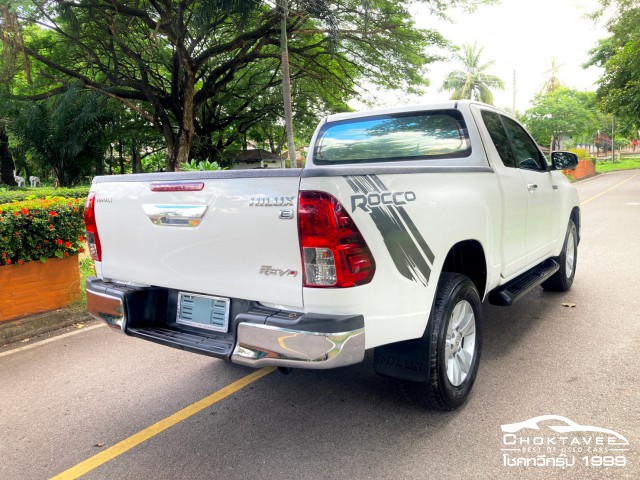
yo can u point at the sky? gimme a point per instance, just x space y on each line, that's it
520 35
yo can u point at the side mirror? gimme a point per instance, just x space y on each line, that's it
564 160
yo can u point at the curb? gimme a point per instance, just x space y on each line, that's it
27 327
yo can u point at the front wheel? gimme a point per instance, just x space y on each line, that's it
562 280
454 335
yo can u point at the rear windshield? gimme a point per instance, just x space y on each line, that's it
413 136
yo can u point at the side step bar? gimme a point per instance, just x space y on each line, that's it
512 291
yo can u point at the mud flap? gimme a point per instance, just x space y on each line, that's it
406 360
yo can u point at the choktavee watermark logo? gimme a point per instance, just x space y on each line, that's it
555 441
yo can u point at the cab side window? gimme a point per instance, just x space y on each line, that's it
499 137
525 151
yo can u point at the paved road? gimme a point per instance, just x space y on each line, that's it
67 400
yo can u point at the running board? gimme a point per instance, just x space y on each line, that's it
512 291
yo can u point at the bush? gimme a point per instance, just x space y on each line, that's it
39 229
582 153
13 194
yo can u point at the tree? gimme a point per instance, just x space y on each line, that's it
619 56
174 62
6 160
66 133
552 83
472 82
562 113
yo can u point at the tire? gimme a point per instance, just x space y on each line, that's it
562 280
448 385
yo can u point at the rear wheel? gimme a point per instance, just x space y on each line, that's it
454 335
562 280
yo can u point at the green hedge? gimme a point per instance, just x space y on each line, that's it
39 229
13 194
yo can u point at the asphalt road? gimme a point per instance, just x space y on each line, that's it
77 396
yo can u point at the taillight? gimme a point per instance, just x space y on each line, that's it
93 239
334 253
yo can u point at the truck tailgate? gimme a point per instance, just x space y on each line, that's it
236 237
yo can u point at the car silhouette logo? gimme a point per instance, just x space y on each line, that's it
564 426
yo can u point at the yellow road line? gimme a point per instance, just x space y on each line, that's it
608 190
149 432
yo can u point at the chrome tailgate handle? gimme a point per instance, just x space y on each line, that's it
532 186
175 215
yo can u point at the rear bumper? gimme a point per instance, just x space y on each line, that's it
258 336
265 345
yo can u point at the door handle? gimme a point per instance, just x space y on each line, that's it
531 187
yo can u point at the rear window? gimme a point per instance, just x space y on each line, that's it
413 136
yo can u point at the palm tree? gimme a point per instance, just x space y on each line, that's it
553 83
471 83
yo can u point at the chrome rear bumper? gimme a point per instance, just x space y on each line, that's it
265 345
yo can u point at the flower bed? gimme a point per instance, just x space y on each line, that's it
39 242
39 229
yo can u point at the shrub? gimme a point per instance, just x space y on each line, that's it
14 194
39 229
582 153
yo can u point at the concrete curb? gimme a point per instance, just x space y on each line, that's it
27 327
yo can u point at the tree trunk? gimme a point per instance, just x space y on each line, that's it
180 155
6 160
136 161
120 156
286 86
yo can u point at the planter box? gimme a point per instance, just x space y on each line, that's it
585 168
38 287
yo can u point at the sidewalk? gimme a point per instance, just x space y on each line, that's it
35 325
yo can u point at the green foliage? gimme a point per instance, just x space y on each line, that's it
582 153
65 133
39 229
619 56
562 113
203 74
200 166
472 82
8 195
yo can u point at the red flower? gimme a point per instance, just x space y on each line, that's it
4 255
59 241
25 211
38 247
8 261
81 250
51 227
81 238
67 244
17 214
66 254
20 262
53 213
75 209
17 234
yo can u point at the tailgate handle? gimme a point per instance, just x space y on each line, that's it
175 215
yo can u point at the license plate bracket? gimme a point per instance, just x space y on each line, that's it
203 311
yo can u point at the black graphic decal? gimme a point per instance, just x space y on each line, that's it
405 244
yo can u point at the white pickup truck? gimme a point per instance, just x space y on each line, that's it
401 223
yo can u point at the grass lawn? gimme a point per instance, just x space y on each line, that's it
604 166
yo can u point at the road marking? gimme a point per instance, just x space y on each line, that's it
159 427
52 339
609 189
